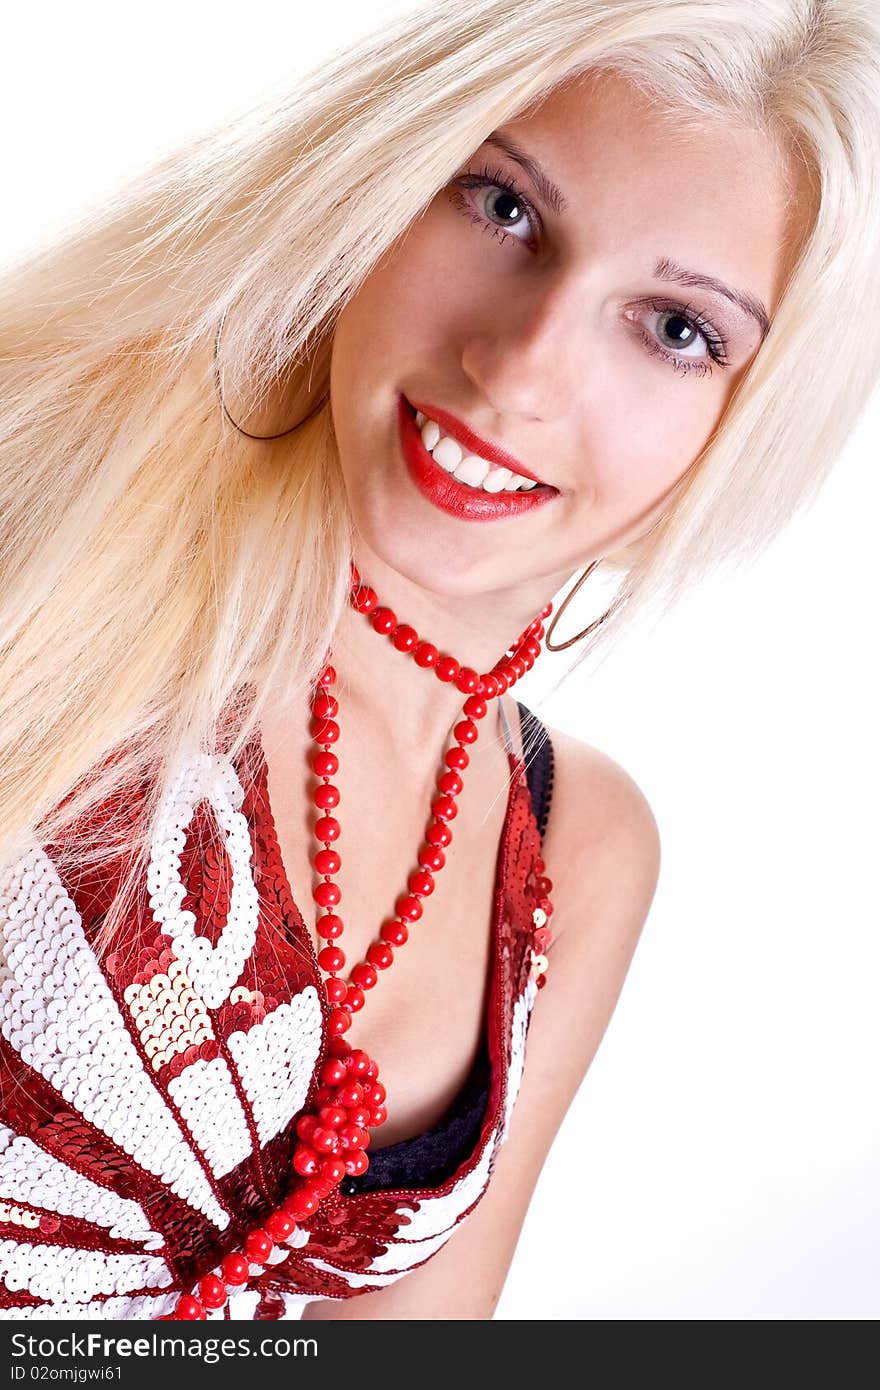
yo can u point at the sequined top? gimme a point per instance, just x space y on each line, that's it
149 1097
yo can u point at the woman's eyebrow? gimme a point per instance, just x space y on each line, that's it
666 269
548 190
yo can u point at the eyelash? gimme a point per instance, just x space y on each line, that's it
715 341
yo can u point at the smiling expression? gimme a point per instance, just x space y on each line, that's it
584 296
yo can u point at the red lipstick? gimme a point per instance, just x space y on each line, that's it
473 444
445 491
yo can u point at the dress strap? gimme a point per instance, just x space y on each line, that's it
506 730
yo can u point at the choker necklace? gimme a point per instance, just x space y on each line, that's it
334 1133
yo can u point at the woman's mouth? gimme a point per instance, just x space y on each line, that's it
451 474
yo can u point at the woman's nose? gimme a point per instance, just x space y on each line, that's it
526 357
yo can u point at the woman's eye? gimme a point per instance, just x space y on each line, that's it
682 337
496 205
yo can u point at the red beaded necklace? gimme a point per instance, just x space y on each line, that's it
334 1134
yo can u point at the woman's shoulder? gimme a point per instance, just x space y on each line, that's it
602 841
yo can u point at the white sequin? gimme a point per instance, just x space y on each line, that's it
29 1174
213 969
89 1057
59 1273
276 1058
206 1098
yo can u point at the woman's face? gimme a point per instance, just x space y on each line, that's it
563 325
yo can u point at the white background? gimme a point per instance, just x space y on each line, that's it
721 1158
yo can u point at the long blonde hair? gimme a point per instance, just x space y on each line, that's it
153 559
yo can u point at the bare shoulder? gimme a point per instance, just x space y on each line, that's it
601 846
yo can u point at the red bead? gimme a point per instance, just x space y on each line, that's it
468 680
333 1072
332 1116
545 905
327 829
326 796
457 758
359 1064
395 933
305 1160
372 1071
466 731
330 927
333 1170
338 1047
405 638
335 990
431 858
327 676
234 1269
280 1225
324 1139
379 1116
364 975
539 865
475 708
306 1126
354 999
301 1204
425 654
324 730
374 1092
447 668
545 612
364 599
543 885
541 938
331 959
541 981
212 1291
444 808
339 1021
358 1115
352 1093
450 783
438 833
488 687
325 764
380 954
518 666
420 881
384 620
258 1245
533 648
408 907
356 1163
327 861
325 706
353 1137
327 894
188 1309
324 1095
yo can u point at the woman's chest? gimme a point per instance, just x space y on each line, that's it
424 1018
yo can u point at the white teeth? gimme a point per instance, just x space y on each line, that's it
497 480
470 469
430 434
448 454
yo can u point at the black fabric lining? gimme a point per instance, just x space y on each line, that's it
431 1158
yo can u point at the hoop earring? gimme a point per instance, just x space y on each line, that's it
597 622
314 411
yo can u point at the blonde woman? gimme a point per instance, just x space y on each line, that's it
301 436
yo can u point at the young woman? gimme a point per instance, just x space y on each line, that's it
300 438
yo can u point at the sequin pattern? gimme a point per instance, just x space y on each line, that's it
161 1086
